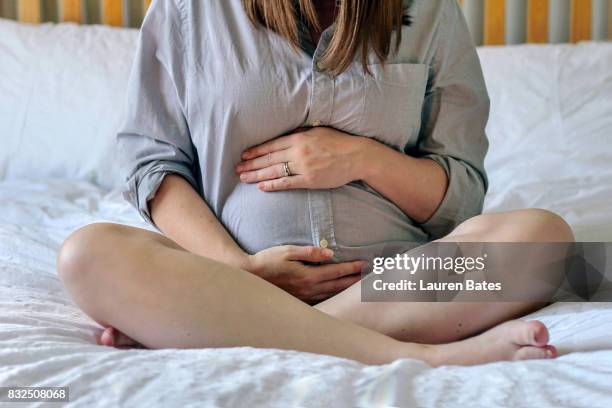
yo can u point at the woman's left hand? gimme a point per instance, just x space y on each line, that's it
318 158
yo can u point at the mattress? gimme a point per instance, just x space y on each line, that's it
45 340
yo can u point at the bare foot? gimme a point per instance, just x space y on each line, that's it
510 341
112 337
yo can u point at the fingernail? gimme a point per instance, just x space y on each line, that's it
328 252
549 353
365 266
243 177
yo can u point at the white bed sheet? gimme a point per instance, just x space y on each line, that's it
46 340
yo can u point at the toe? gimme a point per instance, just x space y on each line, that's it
539 332
551 352
107 337
533 333
112 337
535 353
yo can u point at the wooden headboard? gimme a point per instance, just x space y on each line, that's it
492 22
498 22
119 13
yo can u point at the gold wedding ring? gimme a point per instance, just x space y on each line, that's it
286 169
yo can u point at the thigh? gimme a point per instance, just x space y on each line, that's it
484 225
99 257
120 231
103 243
526 225
110 268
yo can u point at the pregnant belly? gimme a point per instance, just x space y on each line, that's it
365 224
258 220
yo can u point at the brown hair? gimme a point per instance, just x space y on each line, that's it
360 23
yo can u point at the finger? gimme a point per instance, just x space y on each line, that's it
264 161
277 144
269 173
283 183
336 271
336 285
307 253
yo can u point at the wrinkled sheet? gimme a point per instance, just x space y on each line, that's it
46 340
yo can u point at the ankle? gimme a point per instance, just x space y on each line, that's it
434 354
430 354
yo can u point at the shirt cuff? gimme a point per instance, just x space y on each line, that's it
142 189
463 199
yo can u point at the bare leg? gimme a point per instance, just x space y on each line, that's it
162 296
445 322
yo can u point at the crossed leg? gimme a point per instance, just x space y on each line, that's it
429 322
162 296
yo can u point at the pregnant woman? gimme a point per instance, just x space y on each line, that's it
277 145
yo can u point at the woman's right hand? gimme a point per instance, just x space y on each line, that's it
285 267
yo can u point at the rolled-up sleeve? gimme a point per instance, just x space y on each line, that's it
455 114
154 140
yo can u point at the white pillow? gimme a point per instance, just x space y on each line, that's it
61 100
550 131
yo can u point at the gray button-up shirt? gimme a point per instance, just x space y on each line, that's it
206 84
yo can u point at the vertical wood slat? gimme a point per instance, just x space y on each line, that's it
581 20
134 10
49 11
495 22
29 11
516 21
8 9
600 20
537 21
70 10
609 19
92 11
112 12
560 21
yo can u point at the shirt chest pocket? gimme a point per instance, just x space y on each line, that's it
393 103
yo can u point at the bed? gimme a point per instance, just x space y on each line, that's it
60 102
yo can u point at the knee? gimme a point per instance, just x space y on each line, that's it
546 226
529 225
83 250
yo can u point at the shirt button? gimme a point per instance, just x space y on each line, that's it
315 123
320 66
323 243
